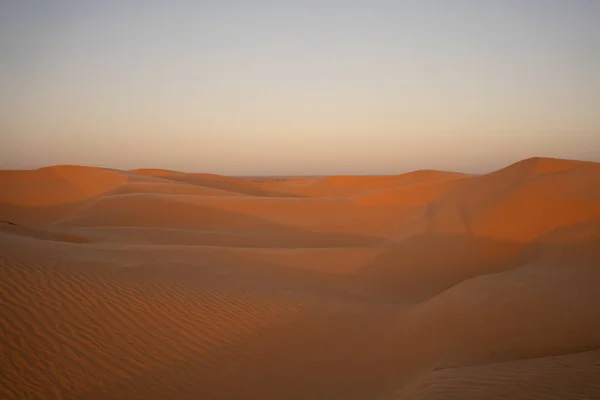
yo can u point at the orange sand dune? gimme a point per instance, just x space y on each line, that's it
347 186
418 194
238 185
180 213
156 172
158 284
519 203
170 188
56 185
37 197
385 182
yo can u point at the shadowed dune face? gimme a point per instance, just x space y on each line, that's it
443 260
161 284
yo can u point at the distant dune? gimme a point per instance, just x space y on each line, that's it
159 284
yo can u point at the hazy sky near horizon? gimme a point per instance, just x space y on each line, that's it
267 87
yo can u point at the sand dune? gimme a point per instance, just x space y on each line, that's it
386 182
159 284
417 194
56 185
170 188
518 203
226 183
156 172
348 186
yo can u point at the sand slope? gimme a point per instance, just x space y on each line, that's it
158 284
43 234
570 376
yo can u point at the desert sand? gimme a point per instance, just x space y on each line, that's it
158 284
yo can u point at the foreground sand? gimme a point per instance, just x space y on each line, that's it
154 284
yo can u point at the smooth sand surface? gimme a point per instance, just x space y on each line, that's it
158 284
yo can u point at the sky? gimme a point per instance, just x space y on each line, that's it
306 87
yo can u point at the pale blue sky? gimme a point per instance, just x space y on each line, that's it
298 87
